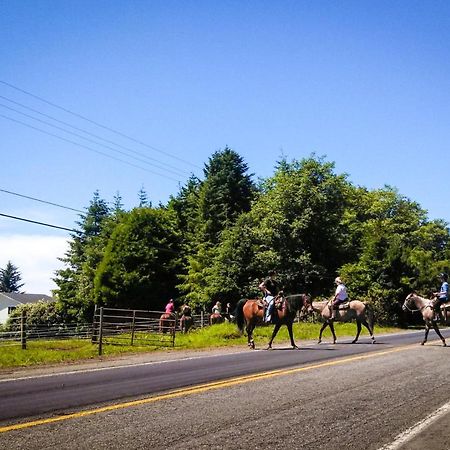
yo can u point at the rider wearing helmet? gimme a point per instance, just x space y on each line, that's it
270 289
441 296
340 296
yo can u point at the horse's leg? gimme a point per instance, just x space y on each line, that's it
439 333
366 324
332 331
291 334
250 341
325 324
358 331
427 329
275 331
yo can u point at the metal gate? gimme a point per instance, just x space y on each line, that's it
132 327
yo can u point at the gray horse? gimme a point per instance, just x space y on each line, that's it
414 302
354 309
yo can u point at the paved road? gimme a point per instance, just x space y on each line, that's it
343 396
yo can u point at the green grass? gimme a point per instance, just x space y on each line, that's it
223 335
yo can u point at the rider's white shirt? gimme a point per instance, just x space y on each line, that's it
341 292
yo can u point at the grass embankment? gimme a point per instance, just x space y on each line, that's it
223 335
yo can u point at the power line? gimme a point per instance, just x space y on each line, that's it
119 133
39 223
87 147
181 172
42 201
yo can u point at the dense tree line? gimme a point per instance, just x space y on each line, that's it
218 236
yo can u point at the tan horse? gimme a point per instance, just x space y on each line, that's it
250 313
359 311
414 302
215 318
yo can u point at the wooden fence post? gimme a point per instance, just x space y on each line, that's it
94 326
100 333
23 332
132 326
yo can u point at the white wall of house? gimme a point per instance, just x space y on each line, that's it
5 305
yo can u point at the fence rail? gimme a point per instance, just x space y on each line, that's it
129 327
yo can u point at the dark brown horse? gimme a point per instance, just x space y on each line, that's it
413 303
250 312
186 320
167 323
215 318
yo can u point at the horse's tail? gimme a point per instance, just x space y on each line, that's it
240 320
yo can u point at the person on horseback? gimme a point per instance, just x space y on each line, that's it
170 307
217 308
340 296
441 296
270 289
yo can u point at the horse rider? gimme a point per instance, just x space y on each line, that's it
217 308
228 312
340 296
441 296
270 289
170 307
186 310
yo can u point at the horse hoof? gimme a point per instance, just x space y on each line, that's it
422 343
445 345
319 341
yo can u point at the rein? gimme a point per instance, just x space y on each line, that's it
416 310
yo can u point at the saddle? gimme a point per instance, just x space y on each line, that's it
341 306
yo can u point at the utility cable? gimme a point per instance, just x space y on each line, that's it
89 140
119 133
82 131
42 201
87 147
39 223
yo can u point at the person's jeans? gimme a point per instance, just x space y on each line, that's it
269 299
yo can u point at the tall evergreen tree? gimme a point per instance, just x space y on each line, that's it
225 193
10 278
75 281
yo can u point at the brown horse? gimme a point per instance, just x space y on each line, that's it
167 323
215 318
414 302
250 312
354 309
186 320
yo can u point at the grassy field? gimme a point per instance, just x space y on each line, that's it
223 335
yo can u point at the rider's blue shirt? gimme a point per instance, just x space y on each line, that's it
443 293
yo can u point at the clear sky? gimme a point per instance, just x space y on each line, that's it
365 83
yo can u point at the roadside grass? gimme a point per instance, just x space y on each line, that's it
222 335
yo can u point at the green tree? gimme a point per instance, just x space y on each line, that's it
10 278
141 261
214 205
75 281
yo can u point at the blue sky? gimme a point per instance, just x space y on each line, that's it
365 83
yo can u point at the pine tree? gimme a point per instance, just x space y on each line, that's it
10 278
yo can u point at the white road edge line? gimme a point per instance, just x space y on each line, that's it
408 434
121 366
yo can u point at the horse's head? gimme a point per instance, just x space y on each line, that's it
307 307
409 302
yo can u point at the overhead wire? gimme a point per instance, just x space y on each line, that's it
112 130
87 147
92 141
82 131
42 201
39 223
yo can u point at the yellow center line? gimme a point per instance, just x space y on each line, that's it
201 388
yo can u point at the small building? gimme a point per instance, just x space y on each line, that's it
9 301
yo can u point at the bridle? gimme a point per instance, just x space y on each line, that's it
405 306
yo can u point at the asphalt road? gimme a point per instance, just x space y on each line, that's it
322 396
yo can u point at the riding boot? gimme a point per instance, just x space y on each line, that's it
333 313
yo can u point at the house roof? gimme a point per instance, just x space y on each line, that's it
26 298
